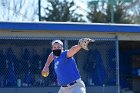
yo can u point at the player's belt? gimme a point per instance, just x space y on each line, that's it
70 84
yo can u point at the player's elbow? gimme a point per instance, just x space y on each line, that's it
73 51
69 54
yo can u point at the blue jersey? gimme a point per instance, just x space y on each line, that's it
66 69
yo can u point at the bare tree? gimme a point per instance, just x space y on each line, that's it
18 10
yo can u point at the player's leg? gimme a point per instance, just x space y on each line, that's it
79 87
79 90
60 90
63 90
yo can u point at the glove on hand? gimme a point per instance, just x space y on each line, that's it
86 43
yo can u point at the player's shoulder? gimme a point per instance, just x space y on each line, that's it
64 51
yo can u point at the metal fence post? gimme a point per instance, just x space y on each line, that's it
117 65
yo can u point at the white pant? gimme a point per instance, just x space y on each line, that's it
78 87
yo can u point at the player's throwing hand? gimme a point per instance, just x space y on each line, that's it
45 71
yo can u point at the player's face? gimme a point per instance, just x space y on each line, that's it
56 46
57 49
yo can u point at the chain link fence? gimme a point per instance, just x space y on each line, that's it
21 62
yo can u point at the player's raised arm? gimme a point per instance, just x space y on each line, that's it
73 50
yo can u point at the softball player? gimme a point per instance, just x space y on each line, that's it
68 76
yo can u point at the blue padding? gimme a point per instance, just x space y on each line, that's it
99 73
11 81
112 66
28 79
